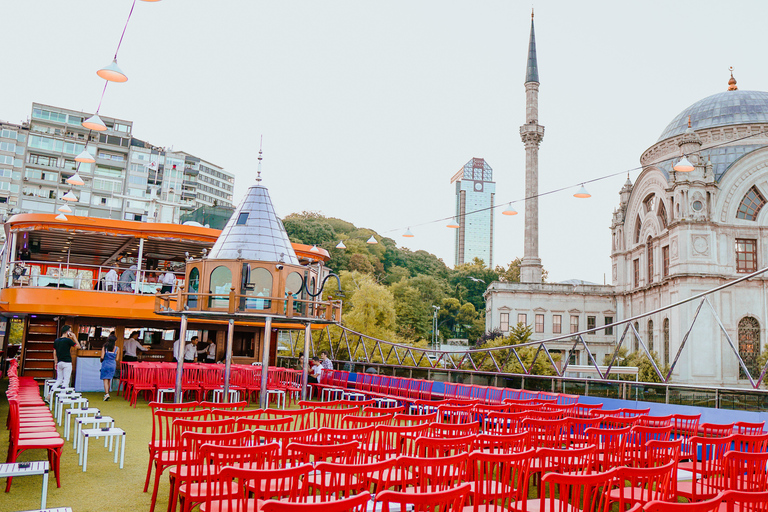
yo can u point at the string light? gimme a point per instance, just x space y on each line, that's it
408 233
509 210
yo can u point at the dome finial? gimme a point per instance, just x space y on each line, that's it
732 81
689 121
258 175
531 12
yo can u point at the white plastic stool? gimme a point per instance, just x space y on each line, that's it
387 403
55 393
47 389
329 394
280 394
162 392
112 433
74 413
74 403
353 396
94 422
234 395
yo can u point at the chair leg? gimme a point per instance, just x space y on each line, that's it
149 470
158 472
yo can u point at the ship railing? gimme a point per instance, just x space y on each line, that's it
63 275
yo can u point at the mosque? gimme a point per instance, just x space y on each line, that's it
692 221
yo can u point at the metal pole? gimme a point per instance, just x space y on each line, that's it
11 257
265 362
138 266
305 361
180 359
228 358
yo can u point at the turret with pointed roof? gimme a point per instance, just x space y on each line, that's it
532 69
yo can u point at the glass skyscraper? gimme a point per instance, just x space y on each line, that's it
475 191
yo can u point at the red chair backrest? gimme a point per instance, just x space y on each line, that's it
394 440
424 474
503 443
750 442
574 492
453 430
438 501
361 421
744 427
547 433
611 445
356 503
284 437
505 422
231 406
715 430
641 485
218 414
712 505
414 419
443 446
331 418
265 423
337 481
301 417
455 413
709 472
567 460
742 501
248 456
342 453
499 477
746 471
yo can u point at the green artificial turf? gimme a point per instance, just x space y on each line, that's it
104 487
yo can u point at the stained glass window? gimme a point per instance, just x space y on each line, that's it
750 205
749 345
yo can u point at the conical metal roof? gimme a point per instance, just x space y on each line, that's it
254 232
532 67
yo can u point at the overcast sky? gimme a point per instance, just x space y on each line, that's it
368 108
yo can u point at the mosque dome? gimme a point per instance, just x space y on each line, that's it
727 108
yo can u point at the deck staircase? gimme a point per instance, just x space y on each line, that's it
37 359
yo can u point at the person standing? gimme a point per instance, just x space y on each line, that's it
62 358
210 352
190 350
110 280
128 277
168 280
130 347
108 363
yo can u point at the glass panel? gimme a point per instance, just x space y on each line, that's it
261 279
293 285
221 283
192 287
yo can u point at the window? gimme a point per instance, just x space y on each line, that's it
749 346
539 323
260 280
221 282
636 334
665 327
750 205
504 322
192 286
662 214
650 335
574 323
649 203
608 330
649 256
591 322
574 357
557 324
746 255
665 261
638 228
636 273
242 218
522 318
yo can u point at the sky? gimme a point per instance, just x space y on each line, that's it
368 108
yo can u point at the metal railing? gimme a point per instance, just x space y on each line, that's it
358 347
28 273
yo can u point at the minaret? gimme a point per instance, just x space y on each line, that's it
532 133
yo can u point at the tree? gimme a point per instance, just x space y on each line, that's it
370 307
511 274
471 280
646 372
506 359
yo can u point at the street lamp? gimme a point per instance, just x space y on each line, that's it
434 326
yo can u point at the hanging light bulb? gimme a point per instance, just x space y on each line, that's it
582 193
94 123
684 165
408 233
61 216
75 179
314 249
64 208
112 72
341 245
509 210
69 196
453 223
85 157
372 240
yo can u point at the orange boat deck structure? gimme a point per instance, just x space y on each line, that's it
103 275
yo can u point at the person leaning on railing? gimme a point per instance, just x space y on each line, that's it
168 280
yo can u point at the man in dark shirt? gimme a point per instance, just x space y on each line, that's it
62 359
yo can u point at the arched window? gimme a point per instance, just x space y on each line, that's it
662 214
220 284
261 286
649 257
666 341
637 343
749 345
650 335
192 287
638 228
293 285
750 205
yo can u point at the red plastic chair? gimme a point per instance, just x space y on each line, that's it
685 427
358 503
657 421
506 422
611 446
331 418
281 424
502 443
746 471
378 411
219 414
342 453
453 429
395 440
708 473
414 419
332 481
618 421
301 417
219 406
585 410
498 478
632 486
440 501
547 433
237 489
305 436
750 442
741 501
20 442
127 369
455 414
366 421
143 382
637 440
575 493
744 427
712 505
565 460
577 428
715 429
363 436
421 474
443 446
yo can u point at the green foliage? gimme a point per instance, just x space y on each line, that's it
506 359
646 372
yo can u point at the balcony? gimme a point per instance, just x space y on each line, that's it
187 195
189 171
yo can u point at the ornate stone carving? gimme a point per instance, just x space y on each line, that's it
673 248
700 244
